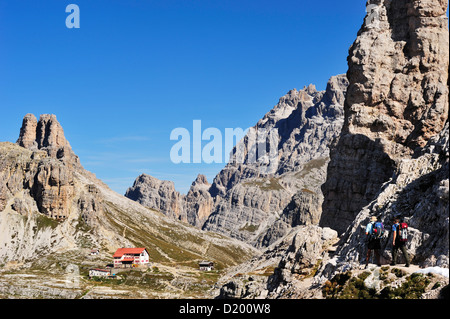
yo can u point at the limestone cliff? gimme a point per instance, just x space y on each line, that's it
397 99
47 171
418 193
198 201
156 194
46 135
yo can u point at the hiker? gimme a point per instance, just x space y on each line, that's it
399 241
374 231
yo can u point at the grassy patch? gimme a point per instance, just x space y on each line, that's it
167 244
305 190
271 184
412 288
344 286
332 288
313 164
398 272
43 222
249 227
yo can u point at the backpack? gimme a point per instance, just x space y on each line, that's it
377 230
403 232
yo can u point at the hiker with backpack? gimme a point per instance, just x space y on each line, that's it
400 237
374 233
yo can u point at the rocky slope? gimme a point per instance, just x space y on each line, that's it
50 206
419 194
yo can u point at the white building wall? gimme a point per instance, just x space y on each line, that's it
97 273
145 258
142 258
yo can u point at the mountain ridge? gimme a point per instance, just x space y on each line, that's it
249 193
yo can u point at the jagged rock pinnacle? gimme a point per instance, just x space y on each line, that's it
47 135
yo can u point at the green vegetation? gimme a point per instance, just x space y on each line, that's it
43 222
171 245
313 164
271 184
356 289
344 286
82 225
398 272
333 288
305 190
249 227
160 248
153 280
156 280
412 288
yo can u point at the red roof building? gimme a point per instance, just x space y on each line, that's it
130 257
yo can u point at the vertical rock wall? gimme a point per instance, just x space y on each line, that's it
396 101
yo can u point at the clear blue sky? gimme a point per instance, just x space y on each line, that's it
137 69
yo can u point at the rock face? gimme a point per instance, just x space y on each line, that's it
198 202
156 194
193 208
305 251
304 121
418 194
303 209
397 99
292 259
46 135
392 156
48 172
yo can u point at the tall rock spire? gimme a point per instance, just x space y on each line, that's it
397 99
47 135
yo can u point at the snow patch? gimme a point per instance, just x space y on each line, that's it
436 270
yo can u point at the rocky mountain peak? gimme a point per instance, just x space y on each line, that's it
159 195
46 134
27 137
200 180
310 89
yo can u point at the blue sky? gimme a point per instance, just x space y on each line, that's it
137 69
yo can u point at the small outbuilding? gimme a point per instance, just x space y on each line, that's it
97 272
206 265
